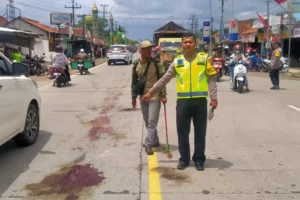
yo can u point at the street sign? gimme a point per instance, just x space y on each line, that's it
206 31
60 18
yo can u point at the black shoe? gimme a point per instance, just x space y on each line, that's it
273 88
277 87
148 150
182 165
199 165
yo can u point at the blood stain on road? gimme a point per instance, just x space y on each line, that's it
107 108
100 125
129 109
172 175
68 181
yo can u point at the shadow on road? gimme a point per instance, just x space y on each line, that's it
210 163
16 160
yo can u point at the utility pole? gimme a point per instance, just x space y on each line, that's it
73 10
196 25
268 22
104 13
222 22
211 29
193 17
104 9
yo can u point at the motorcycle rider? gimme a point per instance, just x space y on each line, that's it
60 60
236 57
82 56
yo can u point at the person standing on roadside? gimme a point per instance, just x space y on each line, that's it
146 72
195 79
275 66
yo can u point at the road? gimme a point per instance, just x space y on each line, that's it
90 146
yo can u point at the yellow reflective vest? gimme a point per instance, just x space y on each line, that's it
191 77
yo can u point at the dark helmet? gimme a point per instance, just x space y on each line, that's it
58 49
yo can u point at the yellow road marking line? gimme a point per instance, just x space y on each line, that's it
154 178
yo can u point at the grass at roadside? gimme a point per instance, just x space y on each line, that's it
43 80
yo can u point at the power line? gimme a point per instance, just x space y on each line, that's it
193 19
73 10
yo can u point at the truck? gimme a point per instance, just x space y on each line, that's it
169 39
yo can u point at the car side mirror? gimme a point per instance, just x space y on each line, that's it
20 69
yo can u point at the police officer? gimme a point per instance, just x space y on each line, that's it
195 79
275 66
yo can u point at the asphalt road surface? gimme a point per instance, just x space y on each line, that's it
90 146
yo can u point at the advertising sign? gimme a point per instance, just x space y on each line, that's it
293 6
206 31
60 18
296 32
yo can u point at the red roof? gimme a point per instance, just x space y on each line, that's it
3 21
39 25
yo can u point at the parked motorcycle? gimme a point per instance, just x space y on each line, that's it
40 67
59 77
285 66
218 64
239 78
265 64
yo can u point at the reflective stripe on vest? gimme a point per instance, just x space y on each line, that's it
191 78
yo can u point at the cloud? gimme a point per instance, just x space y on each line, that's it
142 17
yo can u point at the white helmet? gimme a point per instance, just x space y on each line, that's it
81 50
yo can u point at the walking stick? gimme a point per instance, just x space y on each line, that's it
167 148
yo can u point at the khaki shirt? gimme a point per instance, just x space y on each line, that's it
275 60
152 77
82 56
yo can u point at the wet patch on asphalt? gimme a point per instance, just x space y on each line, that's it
172 174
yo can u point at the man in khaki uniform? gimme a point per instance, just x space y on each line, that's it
275 66
150 109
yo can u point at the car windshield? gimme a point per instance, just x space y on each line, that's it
116 48
170 45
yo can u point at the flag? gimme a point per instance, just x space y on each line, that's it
232 24
263 21
70 32
280 1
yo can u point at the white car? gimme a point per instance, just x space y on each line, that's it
20 104
119 53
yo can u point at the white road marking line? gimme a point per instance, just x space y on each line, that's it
293 107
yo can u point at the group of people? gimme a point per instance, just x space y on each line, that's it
193 86
60 60
14 55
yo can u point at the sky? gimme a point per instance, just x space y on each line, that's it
142 17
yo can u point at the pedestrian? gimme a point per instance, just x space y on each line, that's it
145 73
275 66
195 79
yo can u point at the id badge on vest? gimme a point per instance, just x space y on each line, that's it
201 60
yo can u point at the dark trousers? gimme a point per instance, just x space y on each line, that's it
186 110
274 75
67 72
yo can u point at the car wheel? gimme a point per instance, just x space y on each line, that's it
31 129
109 63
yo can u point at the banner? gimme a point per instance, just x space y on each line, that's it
276 29
293 6
251 38
206 31
260 37
274 20
296 32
